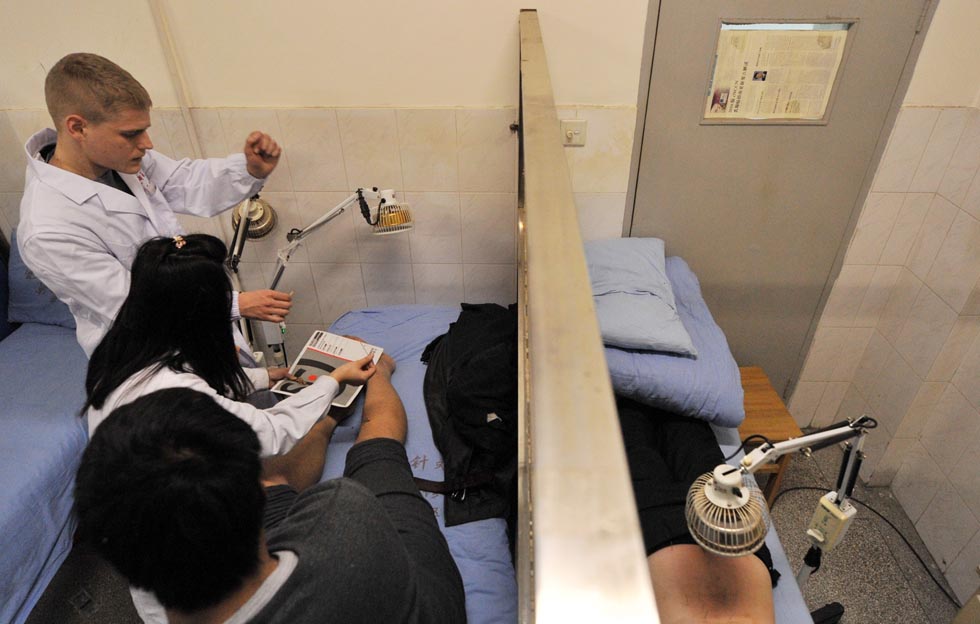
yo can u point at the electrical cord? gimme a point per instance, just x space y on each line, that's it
746 441
888 522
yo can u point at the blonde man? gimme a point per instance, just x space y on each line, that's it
96 190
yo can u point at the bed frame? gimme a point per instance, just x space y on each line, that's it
580 555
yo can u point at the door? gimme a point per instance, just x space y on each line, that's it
762 209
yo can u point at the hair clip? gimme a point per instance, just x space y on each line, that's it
179 241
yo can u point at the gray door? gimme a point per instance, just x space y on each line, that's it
762 211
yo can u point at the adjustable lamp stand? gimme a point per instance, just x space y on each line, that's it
727 516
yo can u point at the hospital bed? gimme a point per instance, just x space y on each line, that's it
579 552
42 375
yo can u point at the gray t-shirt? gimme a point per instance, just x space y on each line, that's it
367 549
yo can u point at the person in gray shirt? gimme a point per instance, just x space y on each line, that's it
171 492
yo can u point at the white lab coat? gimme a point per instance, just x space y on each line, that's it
80 236
279 427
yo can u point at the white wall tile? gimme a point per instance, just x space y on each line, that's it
847 295
945 136
874 227
159 135
893 391
370 142
600 215
907 224
957 265
830 403
12 160
804 401
963 165
849 357
339 289
177 132
311 137
388 284
896 311
971 203
963 476
427 142
211 134
968 373
490 283
602 164
335 241
972 305
238 123
917 481
947 526
875 446
871 363
852 405
962 572
825 349
931 235
438 284
929 324
489 227
26 123
437 233
887 467
921 409
952 424
905 148
964 332
487 150
877 295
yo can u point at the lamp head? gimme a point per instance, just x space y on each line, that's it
260 214
392 216
725 514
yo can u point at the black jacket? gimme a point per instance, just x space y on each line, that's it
470 394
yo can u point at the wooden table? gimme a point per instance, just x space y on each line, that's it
766 414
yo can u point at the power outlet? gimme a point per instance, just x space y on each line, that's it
573 132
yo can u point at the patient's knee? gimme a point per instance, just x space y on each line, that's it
693 585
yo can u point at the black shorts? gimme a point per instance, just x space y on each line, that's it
666 453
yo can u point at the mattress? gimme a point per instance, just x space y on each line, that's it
480 548
41 442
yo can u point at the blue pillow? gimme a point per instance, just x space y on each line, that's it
30 300
633 297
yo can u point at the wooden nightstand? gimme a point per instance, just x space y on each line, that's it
766 414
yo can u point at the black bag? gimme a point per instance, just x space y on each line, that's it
470 395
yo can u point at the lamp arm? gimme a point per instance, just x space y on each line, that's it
241 233
771 452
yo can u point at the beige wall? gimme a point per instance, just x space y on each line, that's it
948 70
425 109
253 53
899 338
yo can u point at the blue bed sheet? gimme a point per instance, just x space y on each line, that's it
41 442
707 387
480 548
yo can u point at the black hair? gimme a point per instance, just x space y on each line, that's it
177 314
168 491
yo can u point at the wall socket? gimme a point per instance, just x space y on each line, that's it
573 132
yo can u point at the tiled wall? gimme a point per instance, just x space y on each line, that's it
457 167
899 338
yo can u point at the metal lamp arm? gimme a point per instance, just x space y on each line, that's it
832 435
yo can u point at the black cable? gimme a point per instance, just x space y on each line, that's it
746 441
889 523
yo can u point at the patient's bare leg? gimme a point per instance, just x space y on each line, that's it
693 585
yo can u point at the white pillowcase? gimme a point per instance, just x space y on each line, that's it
633 297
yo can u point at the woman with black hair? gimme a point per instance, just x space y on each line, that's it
173 331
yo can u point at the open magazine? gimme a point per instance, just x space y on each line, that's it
324 352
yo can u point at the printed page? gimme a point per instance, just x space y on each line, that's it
325 352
